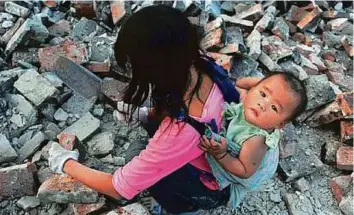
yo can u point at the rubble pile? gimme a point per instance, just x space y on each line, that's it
55 59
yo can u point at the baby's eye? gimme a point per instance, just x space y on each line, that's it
274 108
262 94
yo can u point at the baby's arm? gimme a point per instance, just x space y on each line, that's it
247 82
250 157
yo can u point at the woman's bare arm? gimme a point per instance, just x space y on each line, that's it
247 82
100 181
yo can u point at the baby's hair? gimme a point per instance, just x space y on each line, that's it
297 86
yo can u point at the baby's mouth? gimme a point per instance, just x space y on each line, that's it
254 112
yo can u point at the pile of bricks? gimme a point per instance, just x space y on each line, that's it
55 56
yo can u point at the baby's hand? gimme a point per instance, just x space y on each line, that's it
216 149
242 92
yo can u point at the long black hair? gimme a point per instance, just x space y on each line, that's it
158 46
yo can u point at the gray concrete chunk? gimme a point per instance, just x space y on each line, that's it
7 153
27 202
34 87
101 144
31 146
84 127
15 9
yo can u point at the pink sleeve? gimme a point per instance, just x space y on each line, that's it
166 152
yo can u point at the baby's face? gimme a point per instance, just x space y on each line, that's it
270 104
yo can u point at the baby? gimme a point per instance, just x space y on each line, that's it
246 152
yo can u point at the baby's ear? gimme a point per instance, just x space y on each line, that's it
281 125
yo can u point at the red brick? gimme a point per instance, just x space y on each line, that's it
85 9
210 26
117 10
348 48
340 186
222 60
95 66
328 55
345 158
17 181
212 39
76 52
50 3
346 103
84 209
346 131
307 19
64 189
295 13
330 113
68 141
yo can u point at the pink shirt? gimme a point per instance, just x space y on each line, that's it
172 147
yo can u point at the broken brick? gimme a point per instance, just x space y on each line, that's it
118 10
330 113
67 141
317 62
295 14
346 103
264 22
347 46
212 39
336 75
275 48
64 189
210 26
346 131
329 55
50 3
340 186
222 60
85 9
309 18
95 66
345 158
17 181
337 24
304 50
85 209
77 52
308 66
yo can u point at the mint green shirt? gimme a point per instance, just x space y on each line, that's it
237 132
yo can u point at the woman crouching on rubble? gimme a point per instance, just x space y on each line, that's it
160 48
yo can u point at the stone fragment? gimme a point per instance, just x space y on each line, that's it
222 60
101 144
268 62
31 146
64 189
253 42
340 185
135 208
118 10
84 127
98 67
346 131
44 174
34 87
275 48
347 205
7 153
281 29
295 14
243 67
235 20
212 40
332 14
268 17
60 29
7 24
21 178
28 202
288 142
302 185
309 18
331 148
61 115
53 79
298 205
77 104
348 46
16 9
331 40
75 51
68 141
296 70
85 209
215 24
337 75
300 164
308 66
304 50
337 24
299 37
29 55
345 158
24 107
85 28
101 49
112 89
18 120
317 62
252 11
18 36
319 91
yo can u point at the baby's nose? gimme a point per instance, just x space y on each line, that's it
261 106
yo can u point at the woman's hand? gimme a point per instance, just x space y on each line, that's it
58 156
216 149
141 113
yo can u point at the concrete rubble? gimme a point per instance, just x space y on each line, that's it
59 82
